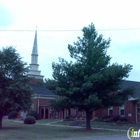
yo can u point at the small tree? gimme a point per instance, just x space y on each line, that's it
90 82
15 92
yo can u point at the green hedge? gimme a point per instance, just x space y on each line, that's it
30 120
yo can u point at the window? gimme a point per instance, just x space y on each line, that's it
76 111
122 110
110 111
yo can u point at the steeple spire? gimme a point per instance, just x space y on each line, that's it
34 72
35 49
34 59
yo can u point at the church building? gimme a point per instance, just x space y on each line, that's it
43 96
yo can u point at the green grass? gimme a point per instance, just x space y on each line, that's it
47 121
15 131
95 124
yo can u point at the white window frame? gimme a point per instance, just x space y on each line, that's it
67 112
121 108
110 109
76 111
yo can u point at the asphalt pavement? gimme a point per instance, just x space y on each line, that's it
115 137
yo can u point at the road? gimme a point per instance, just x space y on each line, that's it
122 137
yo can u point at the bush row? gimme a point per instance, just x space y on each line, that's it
31 117
112 119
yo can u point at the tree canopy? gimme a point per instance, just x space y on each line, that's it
90 82
15 92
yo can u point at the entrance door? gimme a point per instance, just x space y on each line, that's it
42 113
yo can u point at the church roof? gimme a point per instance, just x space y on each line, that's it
134 84
41 90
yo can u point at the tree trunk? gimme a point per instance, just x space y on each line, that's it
88 115
1 116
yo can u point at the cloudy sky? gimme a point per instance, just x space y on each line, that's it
118 20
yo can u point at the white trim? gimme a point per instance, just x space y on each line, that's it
43 97
131 99
121 108
110 108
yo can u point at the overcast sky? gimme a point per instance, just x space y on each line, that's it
71 15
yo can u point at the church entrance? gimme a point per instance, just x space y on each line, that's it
42 113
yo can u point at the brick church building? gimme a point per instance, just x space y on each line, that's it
43 96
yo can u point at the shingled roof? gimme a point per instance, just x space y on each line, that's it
134 84
41 90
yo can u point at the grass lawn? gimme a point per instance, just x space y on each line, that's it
114 125
47 121
15 131
95 124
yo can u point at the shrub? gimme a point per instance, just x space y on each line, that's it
30 120
100 119
34 114
108 118
116 118
12 115
67 117
123 119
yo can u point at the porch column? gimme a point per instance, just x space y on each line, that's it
44 113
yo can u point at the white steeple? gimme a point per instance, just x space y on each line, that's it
35 51
34 72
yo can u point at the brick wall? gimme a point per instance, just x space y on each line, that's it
130 111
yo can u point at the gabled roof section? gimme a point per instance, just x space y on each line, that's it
134 84
35 49
41 90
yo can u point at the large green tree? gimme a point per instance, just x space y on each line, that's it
15 92
90 82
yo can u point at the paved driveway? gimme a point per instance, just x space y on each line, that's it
123 137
